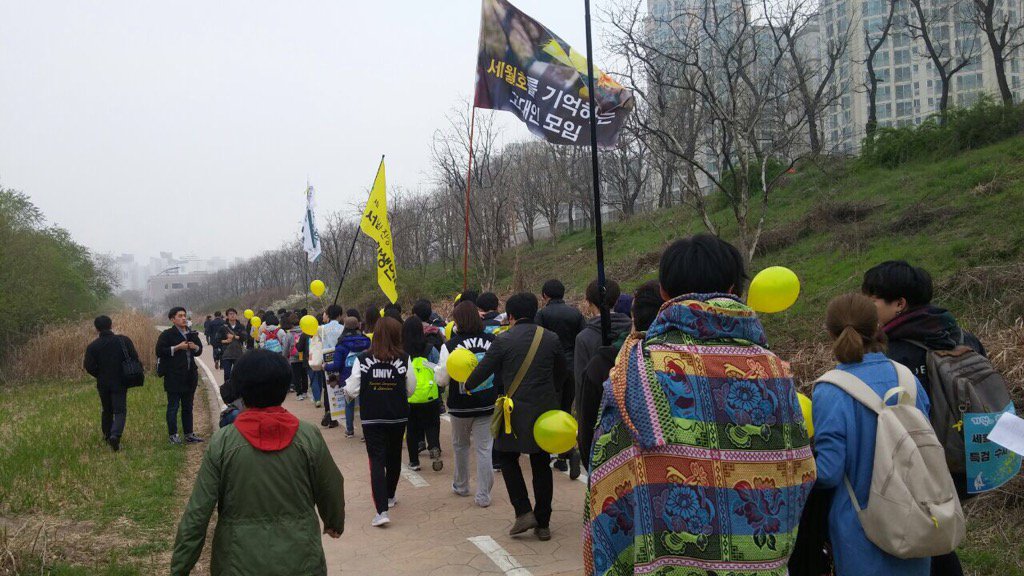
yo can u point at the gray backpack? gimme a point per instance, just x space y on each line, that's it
912 509
960 381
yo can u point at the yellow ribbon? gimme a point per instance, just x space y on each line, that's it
505 404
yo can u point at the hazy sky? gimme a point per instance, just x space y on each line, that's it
166 126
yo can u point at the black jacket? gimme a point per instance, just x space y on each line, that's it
537 393
103 358
565 321
589 340
471 404
588 403
180 369
213 331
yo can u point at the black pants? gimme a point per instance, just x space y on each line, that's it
115 408
424 422
947 565
176 400
300 381
516 485
227 365
384 448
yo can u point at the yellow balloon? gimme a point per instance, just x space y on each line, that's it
317 287
774 289
461 363
805 407
256 322
555 431
448 330
248 314
309 325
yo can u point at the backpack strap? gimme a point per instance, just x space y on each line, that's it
853 386
907 383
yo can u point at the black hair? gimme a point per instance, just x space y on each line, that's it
552 289
488 301
469 296
262 377
229 311
174 312
414 342
303 312
422 309
522 306
647 302
271 319
897 279
393 311
103 323
704 264
217 314
353 313
282 312
611 293
335 311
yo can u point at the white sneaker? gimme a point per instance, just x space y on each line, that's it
380 520
300 397
392 502
318 404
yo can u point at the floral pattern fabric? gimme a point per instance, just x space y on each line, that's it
701 463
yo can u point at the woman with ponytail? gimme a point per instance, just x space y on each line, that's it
844 436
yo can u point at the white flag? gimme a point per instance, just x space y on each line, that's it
310 237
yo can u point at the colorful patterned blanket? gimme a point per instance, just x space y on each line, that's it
701 463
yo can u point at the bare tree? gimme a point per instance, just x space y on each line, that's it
874 39
938 27
1004 28
626 169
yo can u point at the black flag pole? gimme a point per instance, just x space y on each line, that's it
606 320
352 249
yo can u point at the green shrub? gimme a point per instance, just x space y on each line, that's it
960 129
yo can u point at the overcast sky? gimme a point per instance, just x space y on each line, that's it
163 126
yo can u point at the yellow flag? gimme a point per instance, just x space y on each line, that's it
375 225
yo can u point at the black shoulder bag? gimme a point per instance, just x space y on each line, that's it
133 374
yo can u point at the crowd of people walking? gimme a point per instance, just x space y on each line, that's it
700 458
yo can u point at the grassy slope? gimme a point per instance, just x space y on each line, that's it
54 467
948 216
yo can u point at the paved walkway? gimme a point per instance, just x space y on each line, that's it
432 531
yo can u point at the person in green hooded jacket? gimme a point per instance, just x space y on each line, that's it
268 475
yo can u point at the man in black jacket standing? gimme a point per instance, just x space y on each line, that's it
538 391
177 349
103 360
567 322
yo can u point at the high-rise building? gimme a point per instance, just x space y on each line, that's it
909 87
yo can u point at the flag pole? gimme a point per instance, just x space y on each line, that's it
599 238
469 180
355 237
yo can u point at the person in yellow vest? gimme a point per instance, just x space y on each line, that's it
425 403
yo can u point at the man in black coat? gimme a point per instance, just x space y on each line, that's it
177 349
538 392
567 322
103 359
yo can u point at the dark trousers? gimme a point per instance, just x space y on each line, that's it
384 448
227 365
114 410
516 485
424 422
947 565
299 379
182 400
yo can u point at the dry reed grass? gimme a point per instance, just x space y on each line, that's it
57 351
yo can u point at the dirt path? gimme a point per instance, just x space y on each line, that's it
432 531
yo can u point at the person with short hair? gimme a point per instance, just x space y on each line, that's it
538 392
424 429
394 311
271 479
383 380
701 422
591 338
470 409
844 436
104 357
567 322
232 338
177 350
213 338
352 343
330 332
646 302
488 304
206 328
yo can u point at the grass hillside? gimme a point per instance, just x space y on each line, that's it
962 218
